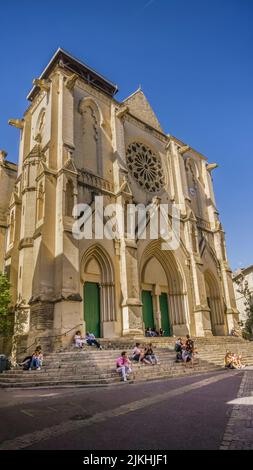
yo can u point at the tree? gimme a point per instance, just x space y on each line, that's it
6 321
243 288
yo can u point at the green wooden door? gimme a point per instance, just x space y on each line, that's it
165 314
147 309
92 308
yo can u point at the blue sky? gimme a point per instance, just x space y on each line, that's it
193 59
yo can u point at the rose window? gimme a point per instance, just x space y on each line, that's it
145 167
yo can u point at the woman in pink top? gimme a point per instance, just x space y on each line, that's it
123 366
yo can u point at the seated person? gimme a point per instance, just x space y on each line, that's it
90 340
239 362
123 366
79 341
37 359
161 332
149 356
25 364
189 346
228 360
148 332
178 349
137 353
234 333
187 354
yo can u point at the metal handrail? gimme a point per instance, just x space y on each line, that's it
52 336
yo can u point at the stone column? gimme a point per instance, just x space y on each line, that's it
156 306
200 309
210 195
177 308
180 197
132 323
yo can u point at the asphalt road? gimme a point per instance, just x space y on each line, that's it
183 413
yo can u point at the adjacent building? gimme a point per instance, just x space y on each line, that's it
243 283
8 176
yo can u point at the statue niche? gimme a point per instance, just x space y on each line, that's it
91 135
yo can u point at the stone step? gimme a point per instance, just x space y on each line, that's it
112 380
91 373
110 372
92 367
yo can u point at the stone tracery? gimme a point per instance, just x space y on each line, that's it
145 167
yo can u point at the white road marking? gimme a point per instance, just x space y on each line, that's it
28 413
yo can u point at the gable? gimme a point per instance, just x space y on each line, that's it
139 106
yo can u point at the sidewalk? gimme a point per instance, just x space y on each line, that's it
239 430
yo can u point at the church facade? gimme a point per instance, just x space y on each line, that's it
79 143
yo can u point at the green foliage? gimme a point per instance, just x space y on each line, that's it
248 327
6 320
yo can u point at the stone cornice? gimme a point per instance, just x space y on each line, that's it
28 189
41 299
26 242
46 171
38 232
65 170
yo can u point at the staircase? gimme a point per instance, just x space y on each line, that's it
91 367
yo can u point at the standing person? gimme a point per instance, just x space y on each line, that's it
90 340
123 366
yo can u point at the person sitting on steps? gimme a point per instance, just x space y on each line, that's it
188 351
149 356
178 349
37 359
90 340
137 354
79 341
123 366
25 364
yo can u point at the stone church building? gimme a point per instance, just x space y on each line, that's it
78 142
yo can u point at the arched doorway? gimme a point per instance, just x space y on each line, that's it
97 278
214 303
155 297
91 297
164 297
